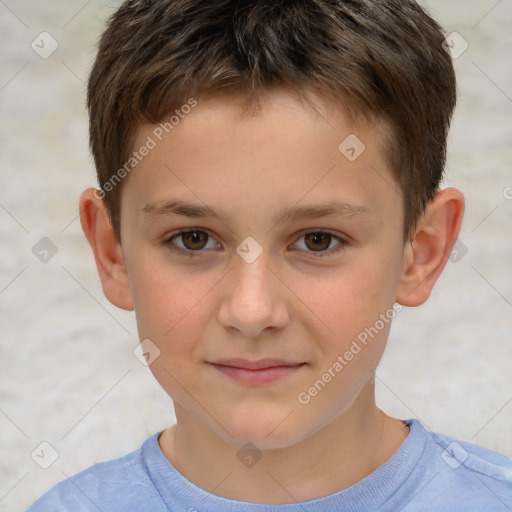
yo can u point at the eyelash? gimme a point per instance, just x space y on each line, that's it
190 253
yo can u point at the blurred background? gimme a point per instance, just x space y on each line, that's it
68 375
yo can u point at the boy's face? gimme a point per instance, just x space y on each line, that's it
300 300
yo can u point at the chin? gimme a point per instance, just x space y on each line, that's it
267 431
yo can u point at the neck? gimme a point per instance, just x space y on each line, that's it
336 457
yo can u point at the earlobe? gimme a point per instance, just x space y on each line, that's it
425 256
107 251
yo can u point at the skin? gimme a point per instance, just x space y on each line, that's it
287 303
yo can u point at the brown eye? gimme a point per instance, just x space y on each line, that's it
191 242
318 244
194 240
318 241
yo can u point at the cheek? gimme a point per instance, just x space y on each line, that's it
172 311
167 300
356 310
342 303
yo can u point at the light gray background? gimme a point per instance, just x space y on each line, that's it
68 375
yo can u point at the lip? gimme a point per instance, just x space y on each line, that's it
262 371
260 364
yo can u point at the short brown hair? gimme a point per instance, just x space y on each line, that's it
386 58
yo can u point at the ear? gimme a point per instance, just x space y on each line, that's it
107 251
425 256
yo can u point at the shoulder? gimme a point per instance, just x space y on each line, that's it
118 484
473 458
466 475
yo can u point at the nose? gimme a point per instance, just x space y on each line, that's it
253 299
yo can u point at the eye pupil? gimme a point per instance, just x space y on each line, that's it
195 238
318 238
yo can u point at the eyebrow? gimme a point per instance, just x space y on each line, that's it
313 211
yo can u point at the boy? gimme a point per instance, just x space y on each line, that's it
230 138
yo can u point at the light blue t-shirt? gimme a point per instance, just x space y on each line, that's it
429 472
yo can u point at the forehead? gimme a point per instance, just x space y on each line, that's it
274 151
